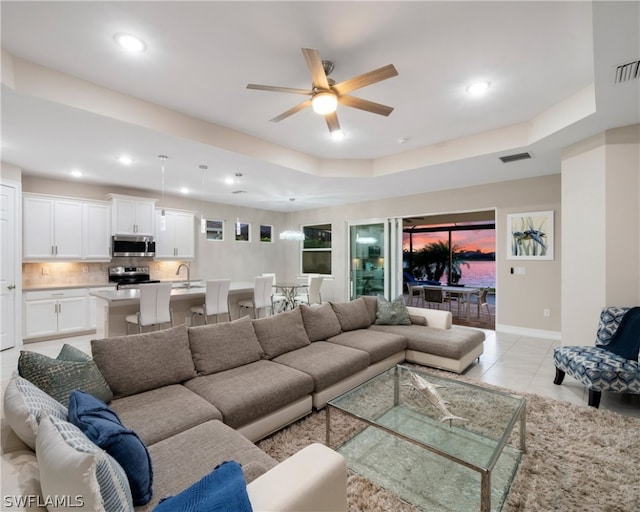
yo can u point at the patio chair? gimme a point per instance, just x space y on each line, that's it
611 365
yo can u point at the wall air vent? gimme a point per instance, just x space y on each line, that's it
628 71
515 158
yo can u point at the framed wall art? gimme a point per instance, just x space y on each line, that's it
530 236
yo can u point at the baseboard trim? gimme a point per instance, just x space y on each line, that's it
526 331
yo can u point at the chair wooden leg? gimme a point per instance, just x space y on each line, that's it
594 398
559 377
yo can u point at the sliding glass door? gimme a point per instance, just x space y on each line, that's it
375 255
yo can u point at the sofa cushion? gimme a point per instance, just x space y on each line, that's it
176 468
352 315
327 363
281 333
254 390
72 369
392 313
223 489
452 343
320 322
379 345
103 427
70 465
140 362
25 405
418 320
147 413
218 347
371 301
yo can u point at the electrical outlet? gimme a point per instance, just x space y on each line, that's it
546 312
85 268
45 270
521 271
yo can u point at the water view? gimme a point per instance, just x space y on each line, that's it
478 273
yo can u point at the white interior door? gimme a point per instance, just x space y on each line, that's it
8 272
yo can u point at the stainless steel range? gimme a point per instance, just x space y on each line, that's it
130 277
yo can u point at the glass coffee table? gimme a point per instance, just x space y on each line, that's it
402 443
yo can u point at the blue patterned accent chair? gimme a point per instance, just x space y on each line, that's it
598 367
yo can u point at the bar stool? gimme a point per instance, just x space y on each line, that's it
154 306
216 301
262 290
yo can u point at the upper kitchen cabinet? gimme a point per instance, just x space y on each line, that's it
132 215
52 228
178 238
60 228
96 231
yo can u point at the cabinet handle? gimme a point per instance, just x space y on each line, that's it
52 250
11 287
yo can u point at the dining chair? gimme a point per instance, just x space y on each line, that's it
154 306
216 301
436 297
312 294
277 298
415 292
481 300
262 292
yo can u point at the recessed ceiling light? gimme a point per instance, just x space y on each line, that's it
130 43
76 173
125 160
184 190
402 140
229 181
337 135
478 87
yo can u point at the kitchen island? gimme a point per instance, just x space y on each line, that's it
114 305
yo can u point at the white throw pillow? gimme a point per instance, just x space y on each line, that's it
24 406
20 481
74 468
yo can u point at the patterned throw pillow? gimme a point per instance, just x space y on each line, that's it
72 369
73 467
392 313
25 405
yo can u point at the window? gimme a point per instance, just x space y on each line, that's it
266 233
316 249
215 230
242 234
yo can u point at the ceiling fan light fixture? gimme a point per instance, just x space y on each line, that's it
324 102
337 135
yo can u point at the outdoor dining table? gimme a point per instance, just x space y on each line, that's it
461 291
290 289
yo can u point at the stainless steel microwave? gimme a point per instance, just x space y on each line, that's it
133 245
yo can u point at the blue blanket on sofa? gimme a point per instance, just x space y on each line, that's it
625 342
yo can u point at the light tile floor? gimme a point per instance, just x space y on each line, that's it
520 363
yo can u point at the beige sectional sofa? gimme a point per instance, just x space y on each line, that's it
198 396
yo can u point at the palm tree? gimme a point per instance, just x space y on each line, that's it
433 260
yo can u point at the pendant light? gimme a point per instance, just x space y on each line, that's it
163 218
292 234
203 221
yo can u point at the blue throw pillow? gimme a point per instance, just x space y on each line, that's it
102 426
222 490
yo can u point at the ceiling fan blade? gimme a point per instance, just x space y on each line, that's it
314 63
357 82
291 111
332 121
366 105
275 88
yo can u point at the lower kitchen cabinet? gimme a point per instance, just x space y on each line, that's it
52 312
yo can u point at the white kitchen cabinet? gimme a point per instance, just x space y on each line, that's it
132 215
52 228
96 231
93 303
52 312
178 239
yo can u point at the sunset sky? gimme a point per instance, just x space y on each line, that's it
483 240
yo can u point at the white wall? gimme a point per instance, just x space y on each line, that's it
601 226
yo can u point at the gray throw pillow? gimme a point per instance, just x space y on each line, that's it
219 347
392 313
371 302
281 333
72 369
352 315
141 362
320 322
418 320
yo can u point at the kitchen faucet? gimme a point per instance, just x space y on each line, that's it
188 273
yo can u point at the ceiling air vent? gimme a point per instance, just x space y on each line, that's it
628 71
515 158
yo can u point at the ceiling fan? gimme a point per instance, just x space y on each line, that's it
326 94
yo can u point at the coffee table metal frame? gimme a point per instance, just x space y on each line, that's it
485 471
